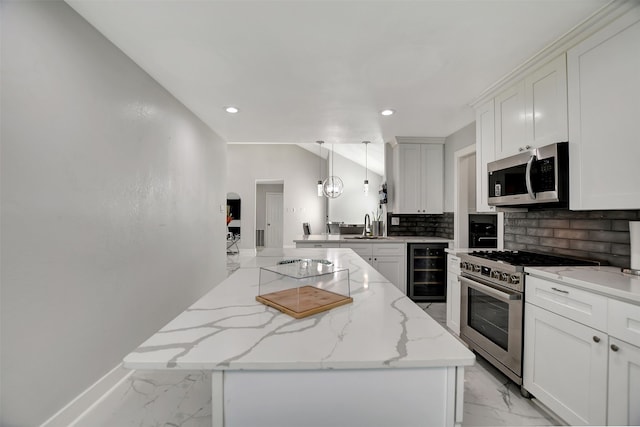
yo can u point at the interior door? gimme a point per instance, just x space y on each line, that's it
273 234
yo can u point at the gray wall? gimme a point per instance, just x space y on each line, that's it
111 195
454 142
296 167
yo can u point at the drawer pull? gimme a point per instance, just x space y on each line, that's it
560 290
317 246
596 339
614 347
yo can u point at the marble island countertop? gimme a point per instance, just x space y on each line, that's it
353 238
608 281
227 329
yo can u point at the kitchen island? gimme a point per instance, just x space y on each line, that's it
378 361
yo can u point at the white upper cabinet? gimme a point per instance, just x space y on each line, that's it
485 152
533 112
420 178
604 109
546 104
510 121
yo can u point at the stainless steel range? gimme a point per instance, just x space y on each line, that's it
492 303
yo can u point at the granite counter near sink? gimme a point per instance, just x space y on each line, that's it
386 254
348 238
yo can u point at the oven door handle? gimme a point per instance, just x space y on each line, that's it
497 294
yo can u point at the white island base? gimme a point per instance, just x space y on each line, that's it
372 397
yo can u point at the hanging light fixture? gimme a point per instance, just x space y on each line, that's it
366 168
320 192
332 187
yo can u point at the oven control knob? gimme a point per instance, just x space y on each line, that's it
476 268
514 278
504 277
495 274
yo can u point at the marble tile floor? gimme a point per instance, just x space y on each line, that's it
490 398
152 398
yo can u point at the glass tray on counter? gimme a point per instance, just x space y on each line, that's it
303 287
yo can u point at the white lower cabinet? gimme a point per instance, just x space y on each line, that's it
624 363
317 245
582 354
453 293
387 258
392 268
565 366
624 384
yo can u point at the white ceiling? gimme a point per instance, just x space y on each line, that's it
307 70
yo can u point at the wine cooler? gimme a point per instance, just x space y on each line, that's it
427 272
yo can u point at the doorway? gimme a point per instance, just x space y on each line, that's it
464 193
464 198
273 238
269 213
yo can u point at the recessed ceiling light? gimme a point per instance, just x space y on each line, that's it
231 110
387 112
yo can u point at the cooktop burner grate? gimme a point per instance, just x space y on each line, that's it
531 259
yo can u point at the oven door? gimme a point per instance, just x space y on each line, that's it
491 323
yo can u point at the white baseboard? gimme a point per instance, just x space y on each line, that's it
70 413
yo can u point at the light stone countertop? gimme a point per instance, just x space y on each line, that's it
227 329
608 281
350 238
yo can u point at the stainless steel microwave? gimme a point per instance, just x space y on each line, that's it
536 177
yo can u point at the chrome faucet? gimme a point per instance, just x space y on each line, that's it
367 229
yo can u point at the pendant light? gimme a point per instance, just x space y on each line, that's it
332 187
320 192
366 168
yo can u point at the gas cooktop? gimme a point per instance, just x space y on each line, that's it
531 259
506 268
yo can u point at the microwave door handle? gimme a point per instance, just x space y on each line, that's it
528 177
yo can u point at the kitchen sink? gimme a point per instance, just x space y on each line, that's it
366 237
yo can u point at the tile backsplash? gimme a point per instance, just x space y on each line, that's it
598 235
422 225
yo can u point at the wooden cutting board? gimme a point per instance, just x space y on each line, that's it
303 301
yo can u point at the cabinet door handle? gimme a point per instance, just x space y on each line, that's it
596 339
560 290
614 347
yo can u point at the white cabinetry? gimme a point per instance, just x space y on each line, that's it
624 383
582 354
545 95
419 171
509 121
317 245
565 366
453 293
387 258
603 90
485 153
624 364
533 112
